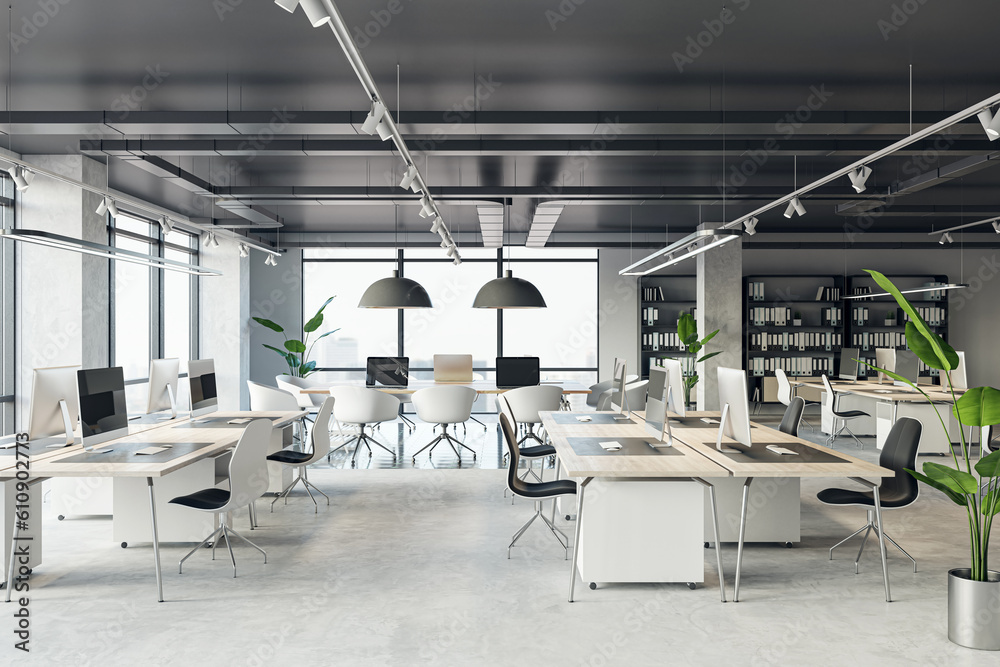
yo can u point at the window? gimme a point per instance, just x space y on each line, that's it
567 279
153 312
6 310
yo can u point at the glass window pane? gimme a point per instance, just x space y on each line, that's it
176 309
132 310
349 253
564 334
521 252
452 326
364 332
133 225
7 315
438 253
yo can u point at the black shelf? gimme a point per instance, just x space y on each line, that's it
683 286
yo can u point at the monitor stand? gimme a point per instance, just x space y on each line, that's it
173 405
722 428
67 424
623 413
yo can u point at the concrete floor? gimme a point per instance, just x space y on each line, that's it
410 567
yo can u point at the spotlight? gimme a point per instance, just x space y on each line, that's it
108 206
374 118
438 225
244 250
452 251
270 260
858 177
383 130
426 207
795 206
457 261
211 241
21 176
408 179
750 226
789 210
314 9
996 226
946 238
165 225
990 123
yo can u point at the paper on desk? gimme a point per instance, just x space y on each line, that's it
241 420
611 445
583 418
151 450
709 421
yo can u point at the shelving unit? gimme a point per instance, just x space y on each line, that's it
661 301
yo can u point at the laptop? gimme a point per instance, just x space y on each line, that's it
453 368
514 372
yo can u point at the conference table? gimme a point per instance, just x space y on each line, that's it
891 402
481 386
191 441
694 458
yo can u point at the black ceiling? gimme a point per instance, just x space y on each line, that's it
520 101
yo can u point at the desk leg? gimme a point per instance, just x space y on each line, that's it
13 557
156 540
718 543
576 536
881 542
743 530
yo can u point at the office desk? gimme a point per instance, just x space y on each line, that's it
206 439
481 386
812 461
613 541
886 403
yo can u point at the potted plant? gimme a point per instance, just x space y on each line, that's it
890 318
687 331
797 319
297 352
973 592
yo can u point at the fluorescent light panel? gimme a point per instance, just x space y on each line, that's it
711 237
917 290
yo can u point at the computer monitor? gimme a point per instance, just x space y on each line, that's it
514 372
388 371
55 407
163 386
204 396
907 366
957 374
103 414
453 368
657 423
885 357
735 419
675 387
848 364
619 385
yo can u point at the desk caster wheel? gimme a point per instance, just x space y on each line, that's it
593 585
124 545
692 585
788 545
569 517
707 545
60 517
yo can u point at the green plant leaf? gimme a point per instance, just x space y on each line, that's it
325 304
295 346
314 323
269 324
979 406
922 347
307 368
918 322
326 334
989 466
956 498
708 356
687 329
956 480
709 337
991 503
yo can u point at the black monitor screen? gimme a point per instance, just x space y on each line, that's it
517 371
203 393
388 371
848 364
102 400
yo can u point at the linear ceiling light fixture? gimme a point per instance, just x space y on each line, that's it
917 290
491 225
995 221
542 223
89 248
379 119
977 109
690 246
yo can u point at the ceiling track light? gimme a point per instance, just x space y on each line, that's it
108 205
990 123
244 250
437 225
859 177
795 206
315 11
22 177
946 239
695 244
409 177
426 207
750 226
996 226
166 226
374 118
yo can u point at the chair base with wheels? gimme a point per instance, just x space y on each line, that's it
455 444
870 526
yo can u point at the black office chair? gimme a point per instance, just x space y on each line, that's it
536 491
831 402
898 453
793 416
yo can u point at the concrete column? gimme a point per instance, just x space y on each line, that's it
720 306
62 296
617 314
225 316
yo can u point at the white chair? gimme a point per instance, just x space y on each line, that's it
830 404
247 482
598 390
635 397
272 399
362 407
311 402
301 461
526 402
786 392
443 406
958 377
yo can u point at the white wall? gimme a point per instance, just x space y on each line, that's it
275 294
617 313
225 313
